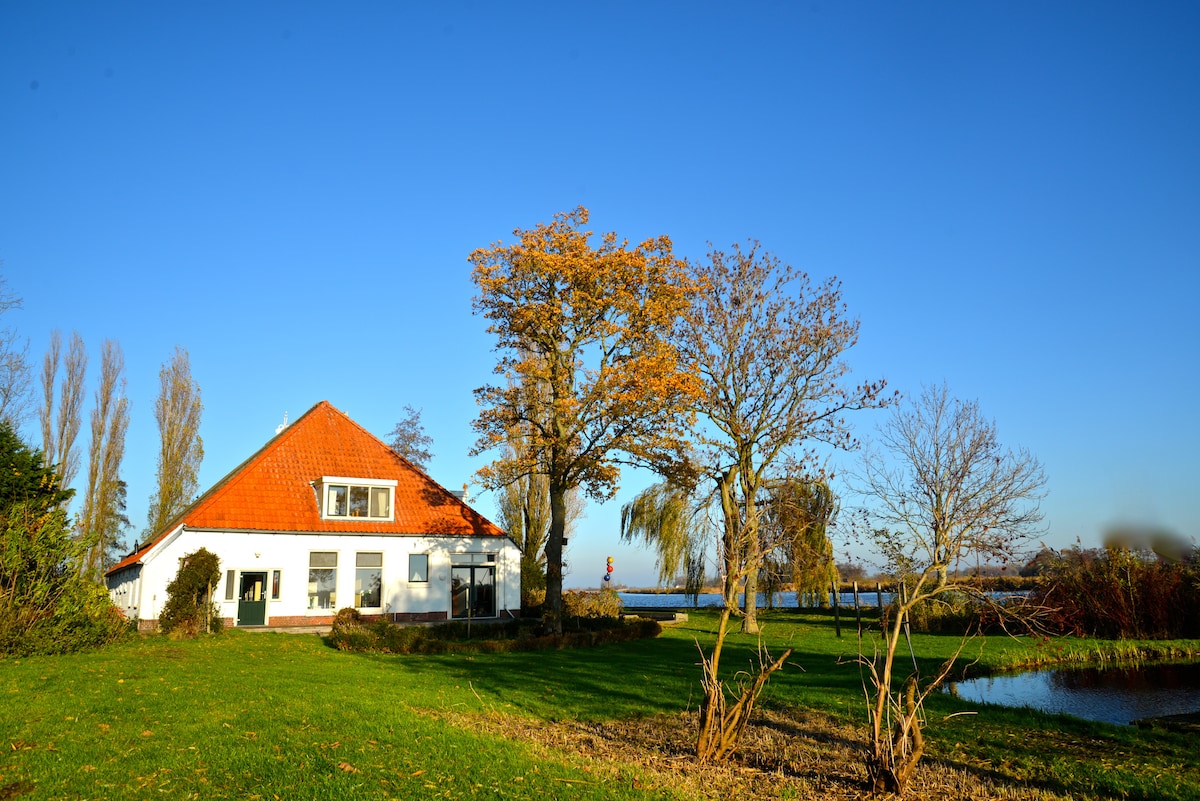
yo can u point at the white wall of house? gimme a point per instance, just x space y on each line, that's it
142 593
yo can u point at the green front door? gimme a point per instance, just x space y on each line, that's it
252 602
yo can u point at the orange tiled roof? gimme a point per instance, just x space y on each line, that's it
271 491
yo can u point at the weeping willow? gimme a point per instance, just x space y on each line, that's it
796 523
665 518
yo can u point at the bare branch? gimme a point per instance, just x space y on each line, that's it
14 365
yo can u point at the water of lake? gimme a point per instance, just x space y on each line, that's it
1112 695
785 600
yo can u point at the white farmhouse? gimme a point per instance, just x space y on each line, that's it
327 516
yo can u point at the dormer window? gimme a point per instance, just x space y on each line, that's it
342 498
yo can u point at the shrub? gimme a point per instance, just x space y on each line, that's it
1120 593
533 583
602 604
347 617
532 601
46 607
951 612
513 636
189 609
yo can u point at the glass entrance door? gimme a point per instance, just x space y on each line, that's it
473 591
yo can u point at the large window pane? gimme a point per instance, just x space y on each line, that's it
368 580
322 580
337 501
380 507
418 567
359 501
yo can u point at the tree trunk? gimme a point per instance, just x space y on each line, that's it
750 547
712 707
750 603
552 617
729 545
720 726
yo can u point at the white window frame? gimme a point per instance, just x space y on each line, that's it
412 573
314 588
358 590
327 483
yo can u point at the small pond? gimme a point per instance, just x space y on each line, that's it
1119 694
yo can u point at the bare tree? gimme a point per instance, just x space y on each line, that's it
14 365
102 520
769 348
941 488
60 432
409 440
177 412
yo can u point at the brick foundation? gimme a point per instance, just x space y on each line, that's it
292 621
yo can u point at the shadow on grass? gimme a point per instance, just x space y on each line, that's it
639 678
817 699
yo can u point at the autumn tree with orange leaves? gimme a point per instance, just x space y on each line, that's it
589 326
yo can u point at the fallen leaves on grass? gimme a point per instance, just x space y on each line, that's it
14 789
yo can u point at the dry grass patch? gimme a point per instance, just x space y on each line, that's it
802 756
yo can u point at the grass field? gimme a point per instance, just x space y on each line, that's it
263 716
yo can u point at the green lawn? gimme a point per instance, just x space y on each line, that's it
284 716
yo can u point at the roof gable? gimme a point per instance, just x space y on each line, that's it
273 489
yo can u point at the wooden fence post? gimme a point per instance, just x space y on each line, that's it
837 622
857 611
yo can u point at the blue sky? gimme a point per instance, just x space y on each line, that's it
1009 192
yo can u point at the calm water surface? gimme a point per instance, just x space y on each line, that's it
785 600
1111 695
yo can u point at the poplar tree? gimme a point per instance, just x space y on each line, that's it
60 431
102 519
177 412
